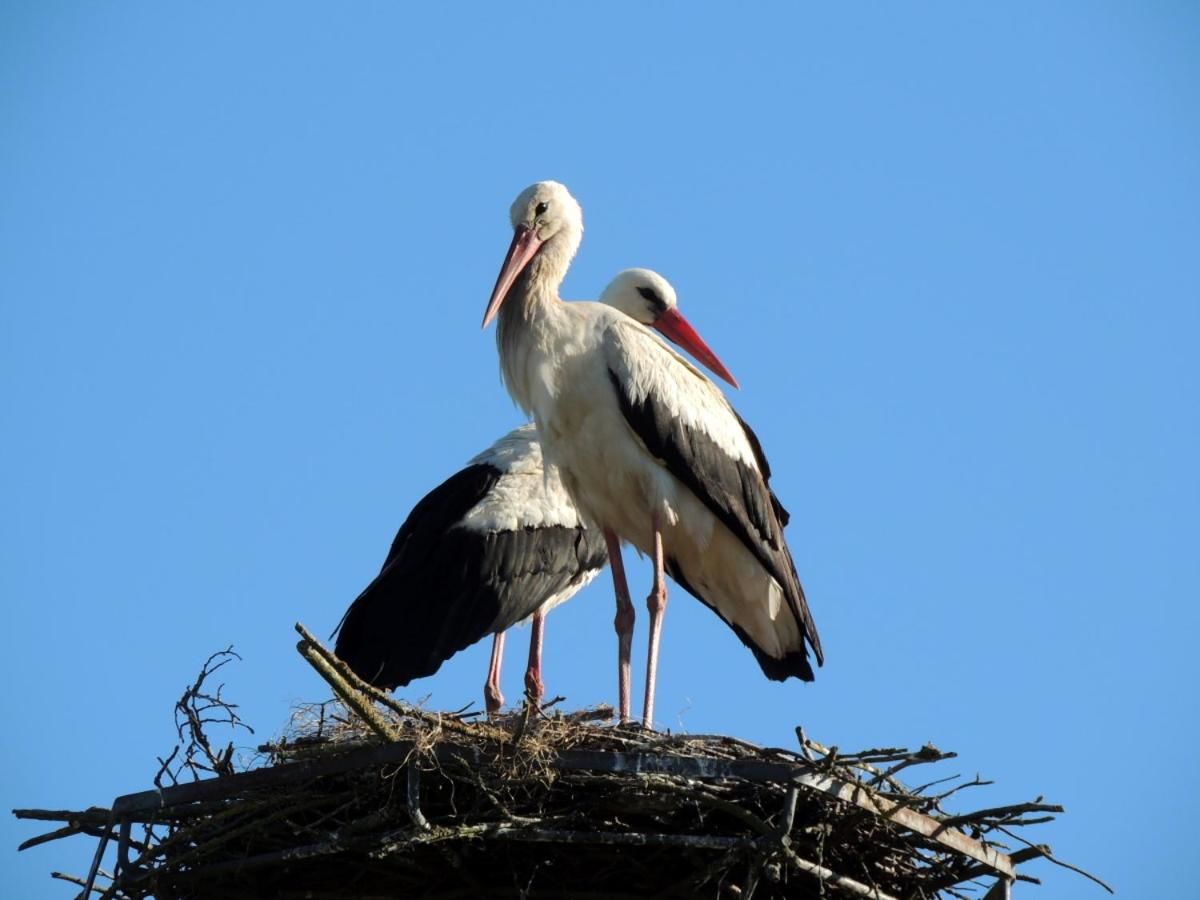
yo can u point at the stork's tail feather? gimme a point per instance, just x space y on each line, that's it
793 665
799 604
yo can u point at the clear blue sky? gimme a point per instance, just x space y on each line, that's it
951 252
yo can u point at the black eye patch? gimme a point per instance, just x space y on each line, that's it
652 295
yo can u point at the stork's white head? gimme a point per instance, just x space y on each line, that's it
641 294
548 209
547 228
645 295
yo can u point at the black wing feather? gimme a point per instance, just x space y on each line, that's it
443 587
734 492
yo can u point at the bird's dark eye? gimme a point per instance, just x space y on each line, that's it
651 295
540 208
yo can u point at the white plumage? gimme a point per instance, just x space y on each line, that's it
648 449
526 495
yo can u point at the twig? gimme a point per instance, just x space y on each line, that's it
998 812
374 693
75 879
164 768
66 831
857 888
803 741
974 782
413 777
1024 822
926 754
551 703
922 788
191 714
94 815
348 695
1045 852
604 712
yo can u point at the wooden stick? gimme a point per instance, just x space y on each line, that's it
353 699
348 677
94 815
1000 812
75 879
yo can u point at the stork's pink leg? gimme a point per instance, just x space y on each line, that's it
623 622
657 604
492 698
533 673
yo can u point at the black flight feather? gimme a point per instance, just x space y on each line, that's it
444 586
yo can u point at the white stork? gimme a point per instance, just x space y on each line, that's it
648 448
497 542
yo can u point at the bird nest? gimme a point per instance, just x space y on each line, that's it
370 798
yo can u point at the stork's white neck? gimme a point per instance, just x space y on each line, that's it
525 326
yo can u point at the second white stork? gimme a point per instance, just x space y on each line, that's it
497 543
648 448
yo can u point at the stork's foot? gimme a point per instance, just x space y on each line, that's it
493 700
534 689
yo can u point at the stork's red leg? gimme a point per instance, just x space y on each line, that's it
657 604
533 673
492 698
623 622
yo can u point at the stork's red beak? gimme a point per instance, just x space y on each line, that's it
675 328
525 244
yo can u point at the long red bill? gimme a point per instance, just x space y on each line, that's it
524 245
676 328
